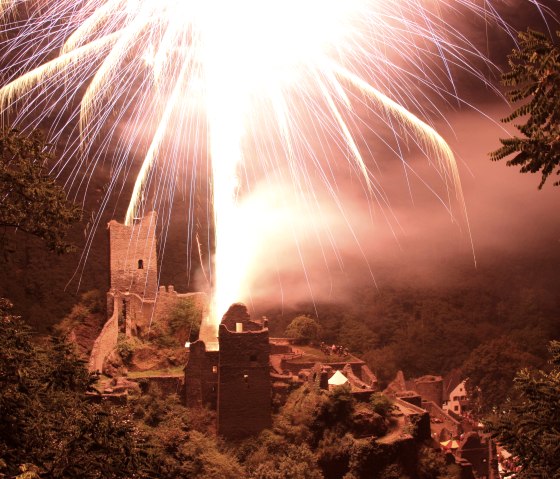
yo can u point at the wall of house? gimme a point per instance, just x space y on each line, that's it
458 394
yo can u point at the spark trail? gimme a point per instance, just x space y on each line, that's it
213 69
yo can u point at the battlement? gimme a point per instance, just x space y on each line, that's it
167 289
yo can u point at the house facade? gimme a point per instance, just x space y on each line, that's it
456 399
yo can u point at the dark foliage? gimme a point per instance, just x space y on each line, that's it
423 330
381 404
46 419
30 200
304 329
529 428
321 431
182 442
184 321
336 411
490 370
535 79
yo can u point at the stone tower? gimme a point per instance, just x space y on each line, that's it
132 257
201 376
244 389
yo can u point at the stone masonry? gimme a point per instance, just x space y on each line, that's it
235 378
244 386
133 258
201 376
134 301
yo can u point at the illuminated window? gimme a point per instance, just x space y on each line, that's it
214 369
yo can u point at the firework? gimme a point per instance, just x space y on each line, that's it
217 72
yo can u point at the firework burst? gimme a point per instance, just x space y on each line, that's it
215 72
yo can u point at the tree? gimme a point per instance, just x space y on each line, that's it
490 370
30 200
303 329
530 428
357 337
535 77
46 420
184 321
272 456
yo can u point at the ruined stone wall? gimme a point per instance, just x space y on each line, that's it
450 423
417 418
295 366
411 397
105 342
477 452
136 313
280 348
130 315
132 257
140 314
201 376
163 384
430 388
244 399
168 299
356 380
368 377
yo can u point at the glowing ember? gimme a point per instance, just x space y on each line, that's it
225 64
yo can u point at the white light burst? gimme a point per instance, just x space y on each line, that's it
213 70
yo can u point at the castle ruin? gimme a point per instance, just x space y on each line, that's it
134 300
235 380
239 373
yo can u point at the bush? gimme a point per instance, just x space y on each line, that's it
338 409
273 457
184 321
303 329
95 301
432 465
125 349
381 404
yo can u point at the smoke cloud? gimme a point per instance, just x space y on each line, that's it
316 247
